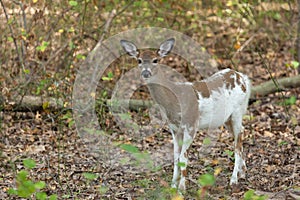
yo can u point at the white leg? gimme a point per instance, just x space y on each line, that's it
239 163
187 141
177 150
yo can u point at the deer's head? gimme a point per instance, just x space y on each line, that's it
148 60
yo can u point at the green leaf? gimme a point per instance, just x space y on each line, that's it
290 101
12 191
26 189
207 180
40 185
26 71
10 39
129 148
53 197
41 195
109 77
206 141
160 19
29 163
228 152
71 44
22 176
249 195
73 3
281 143
80 56
11 20
137 3
294 64
181 164
277 16
125 116
103 189
105 78
42 47
90 176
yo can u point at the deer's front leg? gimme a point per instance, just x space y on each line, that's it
188 133
177 150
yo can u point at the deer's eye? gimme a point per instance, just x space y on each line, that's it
140 61
155 61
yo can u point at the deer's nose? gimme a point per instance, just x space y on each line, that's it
146 74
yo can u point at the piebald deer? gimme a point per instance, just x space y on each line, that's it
221 99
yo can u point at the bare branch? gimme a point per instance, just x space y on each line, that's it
20 57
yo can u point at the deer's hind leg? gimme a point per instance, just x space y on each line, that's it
234 125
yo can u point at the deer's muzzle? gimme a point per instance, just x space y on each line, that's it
146 73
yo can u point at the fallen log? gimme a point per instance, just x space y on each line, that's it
34 103
269 87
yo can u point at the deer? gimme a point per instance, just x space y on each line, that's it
221 99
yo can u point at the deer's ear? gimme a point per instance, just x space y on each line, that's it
130 48
166 47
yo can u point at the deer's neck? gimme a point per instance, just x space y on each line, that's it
178 100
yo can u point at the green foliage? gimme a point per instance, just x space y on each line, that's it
26 71
103 190
69 119
207 180
290 101
26 188
80 57
293 64
250 195
206 141
181 164
90 176
43 46
73 3
109 77
141 158
29 163
281 143
228 153
41 86
129 148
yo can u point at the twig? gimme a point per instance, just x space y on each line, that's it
107 24
20 57
298 36
276 83
23 49
112 15
55 54
243 46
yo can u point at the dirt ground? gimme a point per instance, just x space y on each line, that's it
271 147
271 128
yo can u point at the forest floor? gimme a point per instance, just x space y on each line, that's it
271 148
65 162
